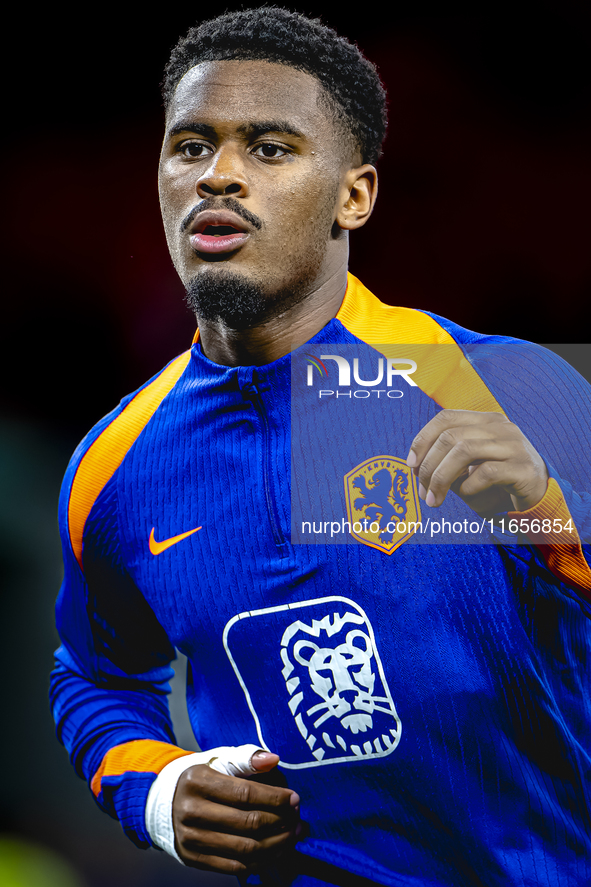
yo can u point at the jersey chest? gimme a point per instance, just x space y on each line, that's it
347 636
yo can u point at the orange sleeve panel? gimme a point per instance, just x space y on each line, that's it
106 454
560 548
138 756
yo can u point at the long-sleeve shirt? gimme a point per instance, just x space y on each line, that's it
427 689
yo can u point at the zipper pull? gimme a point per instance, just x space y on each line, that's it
249 385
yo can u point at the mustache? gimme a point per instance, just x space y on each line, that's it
229 203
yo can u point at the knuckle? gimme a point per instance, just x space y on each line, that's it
463 448
193 777
190 838
254 820
246 847
181 834
185 808
489 471
448 437
242 791
197 860
449 417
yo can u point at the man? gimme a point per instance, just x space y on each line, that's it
426 700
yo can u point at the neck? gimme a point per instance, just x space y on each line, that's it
280 334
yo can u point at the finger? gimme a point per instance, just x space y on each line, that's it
456 463
263 761
242 760
508 475
204 782
449 440
195 844
447 419
255 824
207 863
487 503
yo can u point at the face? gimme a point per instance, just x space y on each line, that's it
252 175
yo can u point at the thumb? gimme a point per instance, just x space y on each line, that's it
263 761
241 760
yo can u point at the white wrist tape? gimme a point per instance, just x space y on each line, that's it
231 760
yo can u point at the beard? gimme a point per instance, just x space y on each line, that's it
236 301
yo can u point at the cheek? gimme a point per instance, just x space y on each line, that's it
173 199
176 192
301 232
307 208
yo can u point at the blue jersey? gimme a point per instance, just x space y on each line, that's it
428 697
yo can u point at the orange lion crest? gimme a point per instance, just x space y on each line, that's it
382 502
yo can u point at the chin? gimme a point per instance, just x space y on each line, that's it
219 294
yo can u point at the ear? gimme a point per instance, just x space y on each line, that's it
358 196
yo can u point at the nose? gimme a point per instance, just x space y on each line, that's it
224 175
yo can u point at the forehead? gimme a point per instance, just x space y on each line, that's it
246 91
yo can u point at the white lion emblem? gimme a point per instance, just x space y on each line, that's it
332 660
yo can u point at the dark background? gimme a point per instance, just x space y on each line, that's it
483 217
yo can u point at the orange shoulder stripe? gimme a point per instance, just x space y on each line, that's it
107 452
443 371
560 548
138 756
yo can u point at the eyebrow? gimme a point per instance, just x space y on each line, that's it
250 130
253 130
200 129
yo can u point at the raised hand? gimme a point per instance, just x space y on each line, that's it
483 457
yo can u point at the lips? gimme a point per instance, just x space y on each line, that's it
218 232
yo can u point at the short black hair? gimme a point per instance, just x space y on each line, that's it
351 83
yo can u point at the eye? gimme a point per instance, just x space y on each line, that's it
194 150
269 150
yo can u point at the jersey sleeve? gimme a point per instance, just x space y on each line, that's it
551 403
109 687
537 390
